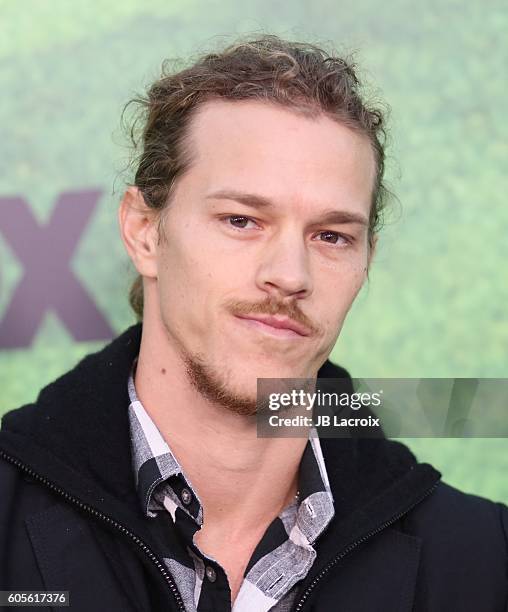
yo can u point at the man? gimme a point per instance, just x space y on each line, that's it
137 480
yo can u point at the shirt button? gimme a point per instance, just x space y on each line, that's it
186 496
210 573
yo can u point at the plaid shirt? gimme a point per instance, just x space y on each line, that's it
281 559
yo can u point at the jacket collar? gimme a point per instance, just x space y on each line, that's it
77 437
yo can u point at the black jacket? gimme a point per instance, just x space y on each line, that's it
70 518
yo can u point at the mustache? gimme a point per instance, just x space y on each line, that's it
271 306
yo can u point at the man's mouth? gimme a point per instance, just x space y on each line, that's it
282 327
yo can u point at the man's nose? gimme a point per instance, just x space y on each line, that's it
284 269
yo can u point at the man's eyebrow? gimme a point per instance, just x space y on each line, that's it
249 199
260 202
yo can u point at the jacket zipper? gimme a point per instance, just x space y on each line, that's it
352 546
103 517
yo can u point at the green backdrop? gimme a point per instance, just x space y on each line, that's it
436 302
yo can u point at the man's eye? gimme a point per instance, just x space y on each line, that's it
334 238
238 221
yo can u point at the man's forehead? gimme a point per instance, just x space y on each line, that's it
266 120
259 148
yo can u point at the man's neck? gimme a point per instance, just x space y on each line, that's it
242 481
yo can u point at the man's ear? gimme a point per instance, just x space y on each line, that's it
138 229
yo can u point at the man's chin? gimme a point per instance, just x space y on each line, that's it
236 388
220 389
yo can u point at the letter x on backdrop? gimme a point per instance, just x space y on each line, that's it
48 281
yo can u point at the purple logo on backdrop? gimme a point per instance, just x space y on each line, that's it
48 282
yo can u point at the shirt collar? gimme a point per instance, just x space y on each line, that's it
154 464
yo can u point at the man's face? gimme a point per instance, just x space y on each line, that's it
270 222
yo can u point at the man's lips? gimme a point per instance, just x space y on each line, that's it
290 326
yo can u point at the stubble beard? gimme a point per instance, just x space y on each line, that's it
214 388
